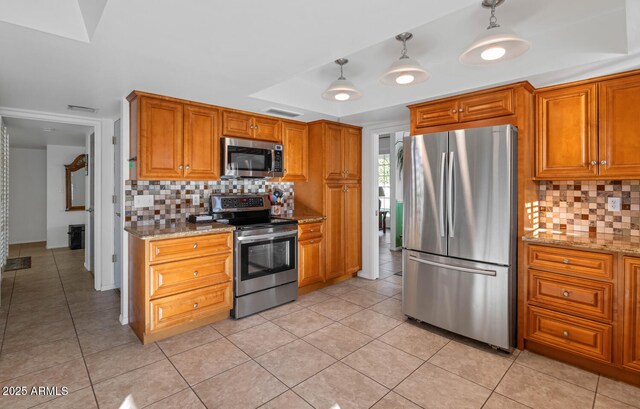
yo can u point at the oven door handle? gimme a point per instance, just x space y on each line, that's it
269 236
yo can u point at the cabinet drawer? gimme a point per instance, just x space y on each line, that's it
188 247
562 260
587 298
489 105
182 308
310 231
569 333
178 276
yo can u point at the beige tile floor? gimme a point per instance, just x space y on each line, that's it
347 346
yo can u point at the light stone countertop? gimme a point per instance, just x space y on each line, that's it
182 229
584 240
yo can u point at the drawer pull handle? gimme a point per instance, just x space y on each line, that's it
565 261
195 305
195 273
565 333
565 294
312 241
195 246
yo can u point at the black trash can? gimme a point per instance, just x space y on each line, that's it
76 236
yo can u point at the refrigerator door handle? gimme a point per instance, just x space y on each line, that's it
442 208
457 268
450 196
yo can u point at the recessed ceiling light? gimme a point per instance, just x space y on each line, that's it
81 108
341 89
406 70
498 45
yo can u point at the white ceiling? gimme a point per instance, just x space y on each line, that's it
31 134
255 54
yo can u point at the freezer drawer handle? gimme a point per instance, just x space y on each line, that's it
450 267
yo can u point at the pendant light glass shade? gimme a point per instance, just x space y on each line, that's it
498 44
406 70
341 89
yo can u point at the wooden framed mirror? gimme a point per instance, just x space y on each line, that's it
75 182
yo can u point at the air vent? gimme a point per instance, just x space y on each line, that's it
81 108
282 112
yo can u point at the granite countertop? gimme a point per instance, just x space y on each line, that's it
592 241
182 229
303 217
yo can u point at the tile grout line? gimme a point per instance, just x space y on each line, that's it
595 395
76 331
179 373
6 323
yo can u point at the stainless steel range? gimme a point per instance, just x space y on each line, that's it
265 253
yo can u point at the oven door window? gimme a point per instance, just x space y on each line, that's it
251 159
267 257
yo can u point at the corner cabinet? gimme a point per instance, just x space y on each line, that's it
173 140
333 189
589 130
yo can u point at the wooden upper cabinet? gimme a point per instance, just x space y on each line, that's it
435 113
631 331
335 225
352 228
619 128
160 139
352 153
237 124
243 125
295 138
566 136
488 105
201 143
333 147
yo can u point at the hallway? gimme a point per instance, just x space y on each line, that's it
390 262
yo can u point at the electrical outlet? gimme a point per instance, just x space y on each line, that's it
614 204
195 200
143 201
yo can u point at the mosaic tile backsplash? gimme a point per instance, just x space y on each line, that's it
582 206
172 199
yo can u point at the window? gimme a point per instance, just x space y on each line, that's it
384 179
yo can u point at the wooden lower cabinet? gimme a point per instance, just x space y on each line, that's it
310 254
178 284
583 307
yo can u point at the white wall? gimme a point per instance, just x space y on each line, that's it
27 195
58 219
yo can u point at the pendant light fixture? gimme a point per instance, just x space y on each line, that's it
498 45
341 89
406 70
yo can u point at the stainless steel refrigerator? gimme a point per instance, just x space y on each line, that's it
459 240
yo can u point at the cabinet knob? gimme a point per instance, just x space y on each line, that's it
312 229
594 163
195 245
565 333
157 251
179 166
195 305
195 273
603 162
188 167
312 241
454 110
565 261
285 170
565 294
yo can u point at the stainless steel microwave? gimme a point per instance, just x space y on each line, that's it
242 158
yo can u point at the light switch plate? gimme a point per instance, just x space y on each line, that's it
143 201
614 204
195 200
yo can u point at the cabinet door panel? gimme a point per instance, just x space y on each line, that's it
352 234
631 331
437 113
266 129
237 124
620 128
490 105
567 134
333 153
201 143
310 265
352 153
334 244
160 139
295 139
